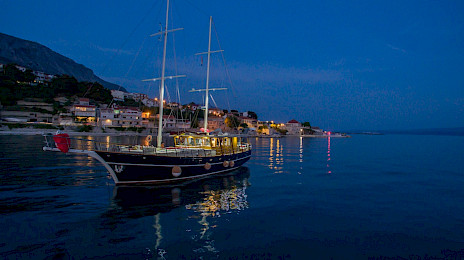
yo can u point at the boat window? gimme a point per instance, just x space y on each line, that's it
198 141
191 142
234 141
207 142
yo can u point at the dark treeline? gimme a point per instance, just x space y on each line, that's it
17 85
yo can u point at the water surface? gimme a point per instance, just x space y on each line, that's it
297 198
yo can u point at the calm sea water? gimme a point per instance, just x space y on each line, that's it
368 196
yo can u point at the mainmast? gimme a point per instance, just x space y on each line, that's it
162 78
205 125
207 75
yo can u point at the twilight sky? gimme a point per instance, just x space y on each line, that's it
341 65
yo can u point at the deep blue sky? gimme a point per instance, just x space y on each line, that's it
339 64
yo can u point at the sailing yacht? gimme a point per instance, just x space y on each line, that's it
192 156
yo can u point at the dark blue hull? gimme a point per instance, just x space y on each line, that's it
133 168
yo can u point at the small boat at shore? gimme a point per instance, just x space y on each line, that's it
193 155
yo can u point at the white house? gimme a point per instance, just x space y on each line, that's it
293 127
83 112
121 116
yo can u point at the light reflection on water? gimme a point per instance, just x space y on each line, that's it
204 201
276 159
328 155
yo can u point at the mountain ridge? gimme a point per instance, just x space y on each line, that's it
38 57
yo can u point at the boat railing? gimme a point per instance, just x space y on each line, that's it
83 144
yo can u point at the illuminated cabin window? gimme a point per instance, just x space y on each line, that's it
207 142
191 141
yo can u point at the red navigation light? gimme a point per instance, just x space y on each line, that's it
203 130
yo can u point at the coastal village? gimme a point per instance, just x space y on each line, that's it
135 112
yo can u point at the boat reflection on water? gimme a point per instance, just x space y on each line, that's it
221 192
196 206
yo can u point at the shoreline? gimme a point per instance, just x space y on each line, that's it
70 133
23 131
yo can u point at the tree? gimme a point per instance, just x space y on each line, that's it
128 102
261 128
12 73
28 76
5 97
232 121
307 124
244 125
96 91
252 114
65 85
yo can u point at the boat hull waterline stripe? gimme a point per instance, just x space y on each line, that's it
157 165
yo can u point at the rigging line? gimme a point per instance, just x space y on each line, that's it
226 68
175 62
195 116
177 99
132 65
123 44
167 94
224 60
135 58
198 9
215 105
180 19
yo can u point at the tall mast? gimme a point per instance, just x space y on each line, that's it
207 76
160 123
207 89
163 77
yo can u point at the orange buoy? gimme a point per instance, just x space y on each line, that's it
176 171
207 166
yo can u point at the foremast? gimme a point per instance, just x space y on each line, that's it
163 77
163 69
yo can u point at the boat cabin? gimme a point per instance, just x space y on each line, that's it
220 144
